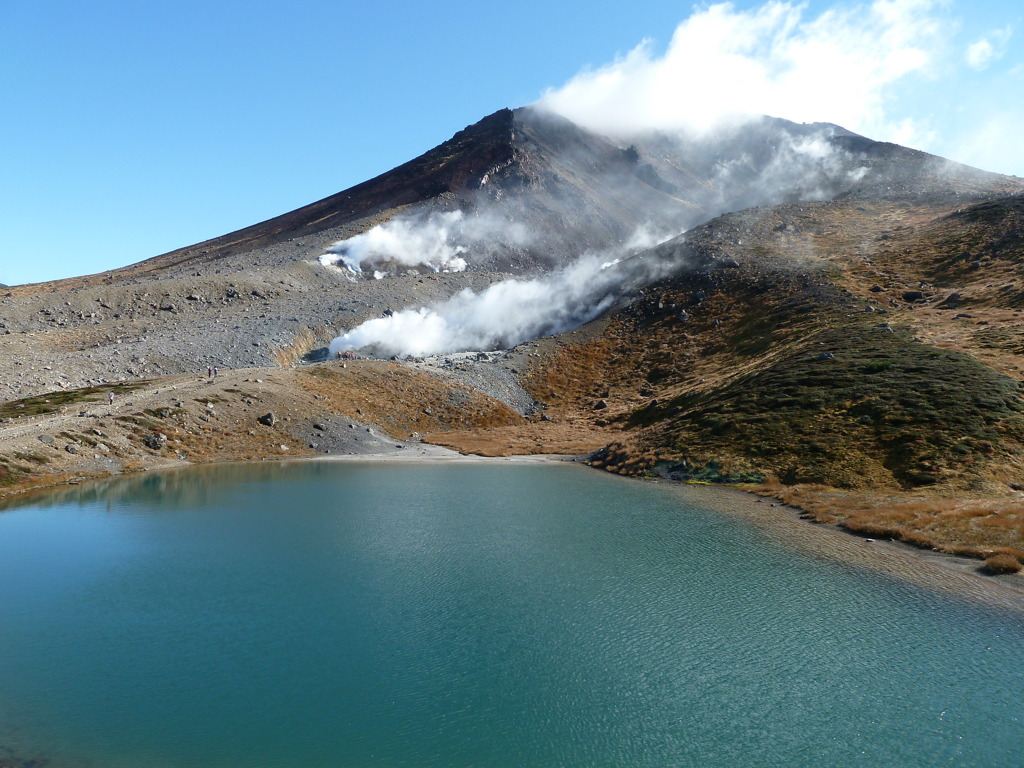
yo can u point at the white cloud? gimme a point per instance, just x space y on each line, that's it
723 64
985 50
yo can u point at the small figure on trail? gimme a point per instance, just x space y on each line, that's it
110 397
216 371
209 371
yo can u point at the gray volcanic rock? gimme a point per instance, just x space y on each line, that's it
260 297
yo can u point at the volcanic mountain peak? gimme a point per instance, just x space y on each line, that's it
537 190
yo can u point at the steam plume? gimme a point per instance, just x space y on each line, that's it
506 313
434 242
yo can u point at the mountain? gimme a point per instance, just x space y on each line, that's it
580 191
841 316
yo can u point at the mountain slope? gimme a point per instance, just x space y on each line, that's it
842 313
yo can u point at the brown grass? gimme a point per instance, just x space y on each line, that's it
402 401
1000 564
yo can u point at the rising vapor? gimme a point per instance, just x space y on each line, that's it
506 313
436 242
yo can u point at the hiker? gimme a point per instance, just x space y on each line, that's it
209 371
110 397
216 371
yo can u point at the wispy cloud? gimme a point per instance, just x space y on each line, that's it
987 49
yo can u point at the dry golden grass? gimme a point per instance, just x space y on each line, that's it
402 401
1000 564
974 527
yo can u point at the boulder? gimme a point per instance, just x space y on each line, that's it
156 440
268 418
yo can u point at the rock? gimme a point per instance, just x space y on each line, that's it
320 427
913 296
600 405
71 448
156 440
545 417
45 439
877 289
269 419
826 356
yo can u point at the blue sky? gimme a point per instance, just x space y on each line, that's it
131 129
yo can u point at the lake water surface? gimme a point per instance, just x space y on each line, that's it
344 614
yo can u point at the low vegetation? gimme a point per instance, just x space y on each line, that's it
51 402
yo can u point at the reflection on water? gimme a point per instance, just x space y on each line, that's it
435 615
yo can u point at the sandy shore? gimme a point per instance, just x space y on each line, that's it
425 453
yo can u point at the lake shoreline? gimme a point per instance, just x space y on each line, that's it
936 571
948 574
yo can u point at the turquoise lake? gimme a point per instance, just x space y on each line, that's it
347 614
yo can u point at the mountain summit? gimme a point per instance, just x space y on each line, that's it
567 190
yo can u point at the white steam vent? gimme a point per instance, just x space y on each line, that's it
436 243
509 312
